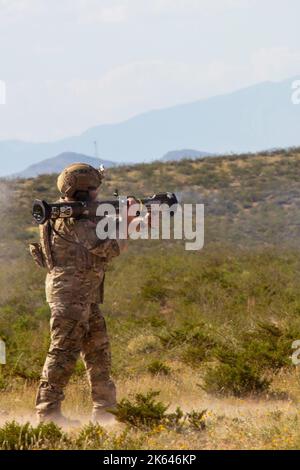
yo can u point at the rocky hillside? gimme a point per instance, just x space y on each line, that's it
249 199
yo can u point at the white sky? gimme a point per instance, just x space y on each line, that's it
73 64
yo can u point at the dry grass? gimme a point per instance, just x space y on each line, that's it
231 423
240 279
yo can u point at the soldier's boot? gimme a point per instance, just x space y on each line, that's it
66 338
56 417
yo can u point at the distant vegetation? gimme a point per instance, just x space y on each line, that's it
249 199
227 314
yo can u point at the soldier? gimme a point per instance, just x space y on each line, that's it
76 261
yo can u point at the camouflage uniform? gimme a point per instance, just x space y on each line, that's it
76 261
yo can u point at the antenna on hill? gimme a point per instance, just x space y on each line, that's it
96 149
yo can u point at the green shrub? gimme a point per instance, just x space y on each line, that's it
172 338
199 348
14 436
146 413
143 412
92 436
197 342
144 344
186 334
154 290
237 378
243 368
158 368
4 382
269 345
127 440
196 420
157 322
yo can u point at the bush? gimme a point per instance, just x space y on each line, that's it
200 347
154 290
238 379
269 345
196 340
196 420
92 436
172 338
14 436
159 368
146 413
244 370
143 344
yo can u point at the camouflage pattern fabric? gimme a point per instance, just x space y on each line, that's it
80 260
69 337
74 288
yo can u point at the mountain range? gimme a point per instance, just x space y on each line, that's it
58 163
258 117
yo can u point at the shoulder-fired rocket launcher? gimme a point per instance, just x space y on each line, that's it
43 211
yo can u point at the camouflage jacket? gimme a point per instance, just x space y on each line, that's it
76 260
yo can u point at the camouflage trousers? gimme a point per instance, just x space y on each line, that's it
76 329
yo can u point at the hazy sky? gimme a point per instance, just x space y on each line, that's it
73 64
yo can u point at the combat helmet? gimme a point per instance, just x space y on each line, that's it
79 177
